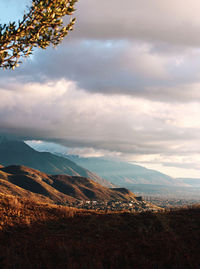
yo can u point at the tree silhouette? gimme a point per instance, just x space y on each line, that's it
41 26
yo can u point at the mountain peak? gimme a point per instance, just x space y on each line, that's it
15 152
20 169
14 145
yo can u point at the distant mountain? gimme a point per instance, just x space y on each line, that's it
19 153
193 182
61 189
124 173
139 179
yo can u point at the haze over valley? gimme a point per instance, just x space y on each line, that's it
137 178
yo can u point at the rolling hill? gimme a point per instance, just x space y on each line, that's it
60 189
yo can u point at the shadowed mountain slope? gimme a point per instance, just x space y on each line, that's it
26 182
193 182
140 179
124 173
19 153
19 180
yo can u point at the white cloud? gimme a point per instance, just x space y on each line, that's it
60 111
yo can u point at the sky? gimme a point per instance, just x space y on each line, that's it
125 83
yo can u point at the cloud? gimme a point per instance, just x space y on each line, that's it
116 68
126 81
153 21
63 113
175 165
40 145
145 50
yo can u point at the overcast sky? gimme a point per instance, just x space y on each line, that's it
125 83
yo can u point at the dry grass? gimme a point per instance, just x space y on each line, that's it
16 211
37 235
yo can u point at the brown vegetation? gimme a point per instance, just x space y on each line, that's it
37 235
24 181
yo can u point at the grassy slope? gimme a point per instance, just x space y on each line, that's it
47 236
18 180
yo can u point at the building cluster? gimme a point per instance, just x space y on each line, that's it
137 205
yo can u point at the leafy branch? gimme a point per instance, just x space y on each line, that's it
41 26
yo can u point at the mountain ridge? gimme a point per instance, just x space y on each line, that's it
139 179
15 152
119 172
58 188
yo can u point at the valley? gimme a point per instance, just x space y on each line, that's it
51 220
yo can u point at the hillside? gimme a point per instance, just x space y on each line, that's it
59 189
18 153
126 173
193 182
139 179
29 183
49 236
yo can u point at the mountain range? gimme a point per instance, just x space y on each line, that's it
138 178
193 182
63 237
25 182
120 172
13 152
107 172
